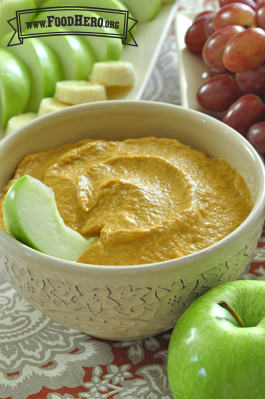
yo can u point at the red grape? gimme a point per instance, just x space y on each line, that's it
259 2
234 14
256 136
218 93
195 36
250 3
213 49
208 26
232 44
217 71
260 16
204 14
252 81
245 51
245 112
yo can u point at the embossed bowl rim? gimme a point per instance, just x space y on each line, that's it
223 133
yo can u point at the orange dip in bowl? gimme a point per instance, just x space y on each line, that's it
149 199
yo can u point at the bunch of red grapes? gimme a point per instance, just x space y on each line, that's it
231 42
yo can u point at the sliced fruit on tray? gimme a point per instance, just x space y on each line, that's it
14 86
104 47
44 67
74 52
31 216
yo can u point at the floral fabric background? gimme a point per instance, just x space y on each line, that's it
41 359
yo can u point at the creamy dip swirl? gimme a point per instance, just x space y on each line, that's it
149 199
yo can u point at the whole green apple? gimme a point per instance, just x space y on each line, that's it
210 355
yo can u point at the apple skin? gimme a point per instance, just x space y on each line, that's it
14 86
75 55
144 11
210 356
26 203
43 65
105 48
8 10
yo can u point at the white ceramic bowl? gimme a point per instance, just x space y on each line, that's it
129 302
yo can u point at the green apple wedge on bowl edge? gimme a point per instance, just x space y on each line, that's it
31 216
218 352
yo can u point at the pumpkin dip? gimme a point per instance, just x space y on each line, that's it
149 199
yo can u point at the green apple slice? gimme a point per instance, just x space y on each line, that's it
14 86
31 216
105 48
109 4
8 10
74 52
43 65
144 11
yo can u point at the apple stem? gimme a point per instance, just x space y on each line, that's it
225 305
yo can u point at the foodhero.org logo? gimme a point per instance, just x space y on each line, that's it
68 20
77 20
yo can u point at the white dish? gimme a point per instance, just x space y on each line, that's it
129 302
192 70
149 37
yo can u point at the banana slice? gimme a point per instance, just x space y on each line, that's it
19 120
79 92
113 73
50 104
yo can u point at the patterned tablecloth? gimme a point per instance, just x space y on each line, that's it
41 359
